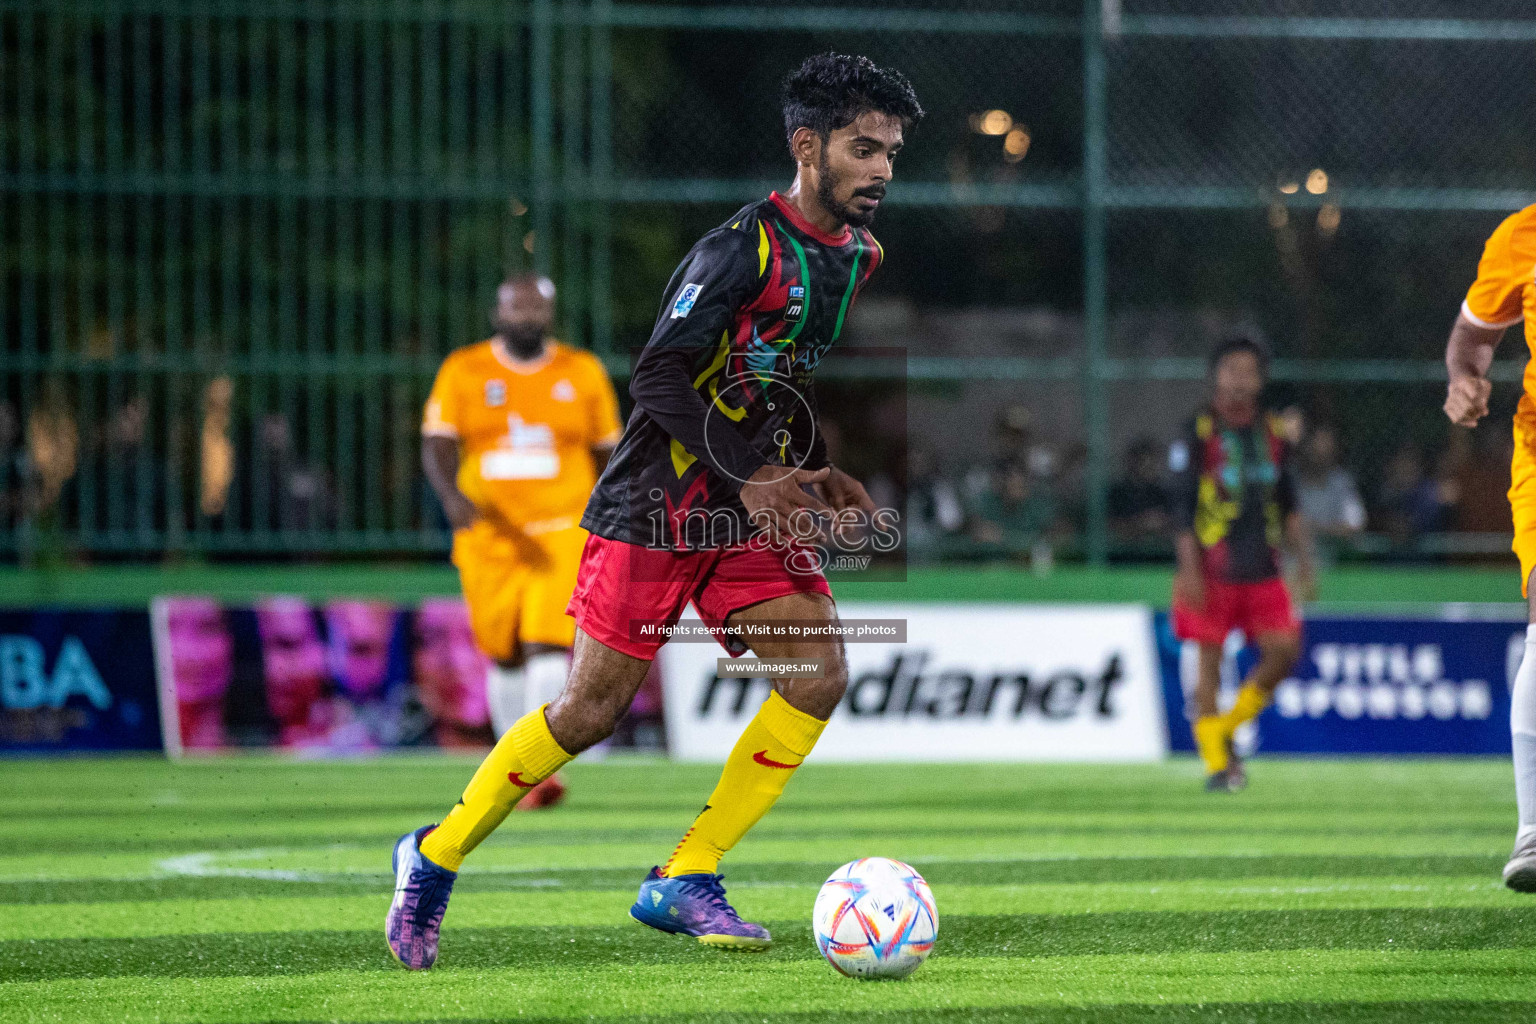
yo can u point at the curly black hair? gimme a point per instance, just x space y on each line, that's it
1240 341
830 90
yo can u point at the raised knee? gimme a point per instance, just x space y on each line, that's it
577 726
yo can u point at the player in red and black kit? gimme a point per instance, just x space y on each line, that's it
705 500
1234 507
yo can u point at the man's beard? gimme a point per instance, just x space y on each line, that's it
524 341
826 193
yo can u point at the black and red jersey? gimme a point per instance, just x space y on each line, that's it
723 387
1233 488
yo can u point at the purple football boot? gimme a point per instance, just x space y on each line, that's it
422 889
696 905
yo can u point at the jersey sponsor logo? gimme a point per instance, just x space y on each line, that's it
793 310
563 391
762 758
495 393
796 291
685 300
526 452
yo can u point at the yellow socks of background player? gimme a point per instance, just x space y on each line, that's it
525 756
1211 741
775 742
1250 701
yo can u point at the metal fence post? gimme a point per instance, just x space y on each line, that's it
1095 314
542 67
600 178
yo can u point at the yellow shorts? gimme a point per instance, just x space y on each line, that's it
1522 489
517 590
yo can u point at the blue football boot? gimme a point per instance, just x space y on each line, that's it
696 905
422 889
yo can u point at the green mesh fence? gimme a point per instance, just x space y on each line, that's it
237 238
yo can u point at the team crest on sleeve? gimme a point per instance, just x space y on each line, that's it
495 393
685 300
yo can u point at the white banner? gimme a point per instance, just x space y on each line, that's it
973 682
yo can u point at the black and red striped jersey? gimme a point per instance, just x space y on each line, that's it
723 387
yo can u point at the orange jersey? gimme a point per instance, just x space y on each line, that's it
1505 290
525 433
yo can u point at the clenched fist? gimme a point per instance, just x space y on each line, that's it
1466 400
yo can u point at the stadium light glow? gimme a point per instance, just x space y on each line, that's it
993 122
1290 188
1016 145
1317 181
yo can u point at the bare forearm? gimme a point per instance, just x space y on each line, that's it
1468 354
1469 349
440 463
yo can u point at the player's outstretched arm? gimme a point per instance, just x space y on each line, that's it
440 461
1468 355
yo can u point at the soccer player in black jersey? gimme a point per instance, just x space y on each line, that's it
1234 509
705 500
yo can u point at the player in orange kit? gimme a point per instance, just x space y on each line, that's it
516 430
1503 295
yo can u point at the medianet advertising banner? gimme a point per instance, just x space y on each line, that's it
970 683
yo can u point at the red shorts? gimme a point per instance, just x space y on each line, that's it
1254 608
621 586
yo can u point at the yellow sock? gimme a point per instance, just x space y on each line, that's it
775 742
1250 701
526 756
1211 740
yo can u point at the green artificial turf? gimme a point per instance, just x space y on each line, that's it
251 889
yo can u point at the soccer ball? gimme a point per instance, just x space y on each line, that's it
875 918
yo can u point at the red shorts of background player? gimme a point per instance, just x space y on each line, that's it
1254 608
621 587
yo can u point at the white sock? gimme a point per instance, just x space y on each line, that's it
506 692
1522 727
546 677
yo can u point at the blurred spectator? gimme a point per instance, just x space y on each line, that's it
53 449
298 495
934 508
216 453
1138 501
202 665
130 480
1326 492
1409 503
1017 510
